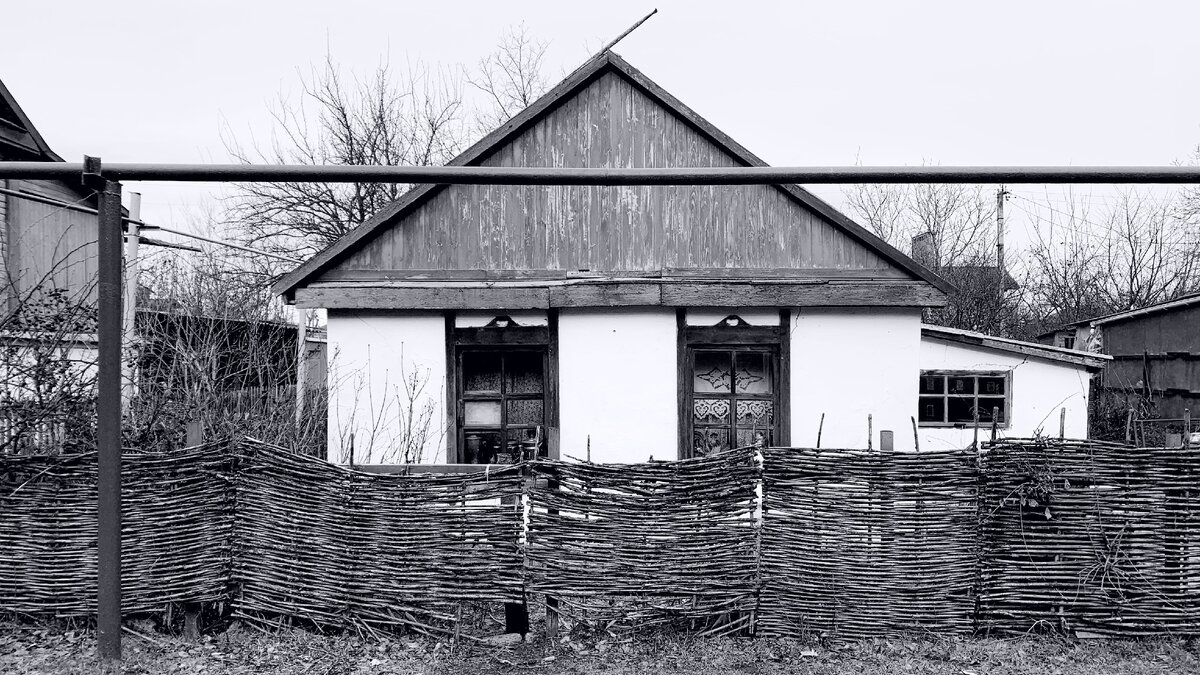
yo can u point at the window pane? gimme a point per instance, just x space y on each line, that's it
753 374
961 385
481 447
524 412
962 409
712 373
753 437
710 411
755 413
481 372
523 373
991 385
482 413
933 384
932 409
707 440
985 409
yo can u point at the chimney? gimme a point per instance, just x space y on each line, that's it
923 250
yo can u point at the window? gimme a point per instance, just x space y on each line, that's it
501 398
501 405
733 398
955 398
1067 341
733 385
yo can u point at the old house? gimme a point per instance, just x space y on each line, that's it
474 323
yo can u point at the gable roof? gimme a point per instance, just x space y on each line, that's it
573 83
18 136
1088 360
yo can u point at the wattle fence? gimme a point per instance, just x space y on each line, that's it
1027 535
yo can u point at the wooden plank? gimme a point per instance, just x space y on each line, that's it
817 294
415 298
649 293
606 295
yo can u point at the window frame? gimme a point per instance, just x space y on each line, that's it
770 339
511 338
945 396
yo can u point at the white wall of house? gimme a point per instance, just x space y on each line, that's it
1040 389
372 355
618 384
848 364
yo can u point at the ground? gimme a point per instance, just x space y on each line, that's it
54 649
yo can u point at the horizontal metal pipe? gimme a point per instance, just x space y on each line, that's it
488 175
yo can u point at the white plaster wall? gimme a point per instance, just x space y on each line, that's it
848 364
1040 389
370 356
618 384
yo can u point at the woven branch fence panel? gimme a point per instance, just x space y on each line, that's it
657 541
1088 536
176 525
342 548
858 543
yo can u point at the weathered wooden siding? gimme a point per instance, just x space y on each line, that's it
49 247
1166 348
612 123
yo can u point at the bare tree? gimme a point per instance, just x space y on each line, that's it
214 346
412 120
509 78
961 218
958 223
1086 262
420 117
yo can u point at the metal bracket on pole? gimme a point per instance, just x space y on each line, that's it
91 173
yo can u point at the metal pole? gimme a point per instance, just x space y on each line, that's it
523 175
108 425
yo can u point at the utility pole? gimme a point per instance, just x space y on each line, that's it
1001 196
129 307
1001 276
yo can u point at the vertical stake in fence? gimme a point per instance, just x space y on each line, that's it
191 610
1187 428
995 415
108 413
870 432
820 428
1062 423
1129 426
916 437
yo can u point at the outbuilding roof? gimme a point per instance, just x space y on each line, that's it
1177 303
1089 360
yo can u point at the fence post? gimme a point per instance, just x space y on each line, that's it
1062 423
191 610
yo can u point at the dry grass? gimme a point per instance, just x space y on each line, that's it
56 649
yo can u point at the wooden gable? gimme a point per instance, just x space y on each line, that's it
608 115
612 124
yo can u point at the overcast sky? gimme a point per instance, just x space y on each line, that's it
798 83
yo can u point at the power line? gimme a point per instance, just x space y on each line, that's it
1085 233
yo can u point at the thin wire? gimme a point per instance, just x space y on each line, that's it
1076 217
66 207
